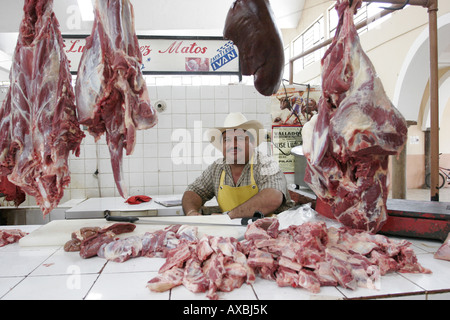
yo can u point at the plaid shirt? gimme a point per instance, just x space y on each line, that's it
266 172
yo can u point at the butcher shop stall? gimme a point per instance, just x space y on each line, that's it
122 128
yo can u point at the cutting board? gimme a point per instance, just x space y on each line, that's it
58 232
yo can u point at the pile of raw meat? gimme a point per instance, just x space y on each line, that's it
8 236
347 145
89 239
39 126
209 264
306 256
311 255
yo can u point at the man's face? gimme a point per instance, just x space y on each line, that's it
237 146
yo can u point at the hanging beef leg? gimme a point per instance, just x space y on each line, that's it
112 96
348 143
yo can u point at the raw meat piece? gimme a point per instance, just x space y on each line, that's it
120 250
262 229
325 274
188 233
194 279
288 263
151 244
88 240
362 272
239 257
250 24
342 272
443 252
309 280
235 275
11 191
8 236
214 269
176 257
154 244
384 262
260 259
167 280
224 245
91 247
287 277
347 145
158 243
230 282
111 93
42 128
308 257
118 228
204 250
235 269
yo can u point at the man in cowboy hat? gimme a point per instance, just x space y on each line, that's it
245 180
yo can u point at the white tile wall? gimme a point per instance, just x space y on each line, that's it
152 169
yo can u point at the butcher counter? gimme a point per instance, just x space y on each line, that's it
48 272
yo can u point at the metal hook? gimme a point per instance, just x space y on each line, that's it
397 8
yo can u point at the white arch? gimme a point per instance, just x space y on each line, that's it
415 71
444 96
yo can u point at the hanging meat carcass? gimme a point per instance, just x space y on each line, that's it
348 143
250 24
111 92
39 127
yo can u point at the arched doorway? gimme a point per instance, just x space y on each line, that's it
415 72
411 96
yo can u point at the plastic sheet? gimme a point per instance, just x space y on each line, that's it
301 214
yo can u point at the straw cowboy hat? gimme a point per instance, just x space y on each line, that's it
236 120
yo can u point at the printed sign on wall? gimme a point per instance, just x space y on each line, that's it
173 55
284 138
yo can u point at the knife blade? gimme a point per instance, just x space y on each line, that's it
132 219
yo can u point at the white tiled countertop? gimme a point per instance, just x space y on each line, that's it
51 273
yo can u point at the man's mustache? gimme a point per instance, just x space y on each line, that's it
234 148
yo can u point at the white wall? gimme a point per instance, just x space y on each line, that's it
151 169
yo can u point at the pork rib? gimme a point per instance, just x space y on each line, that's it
42 128
111 93
348 143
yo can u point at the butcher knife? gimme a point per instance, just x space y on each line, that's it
132 219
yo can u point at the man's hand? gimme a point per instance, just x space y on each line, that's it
193 213
265 201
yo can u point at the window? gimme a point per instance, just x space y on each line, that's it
308 39
367 11
287 57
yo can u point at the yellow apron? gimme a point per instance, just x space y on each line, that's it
230 197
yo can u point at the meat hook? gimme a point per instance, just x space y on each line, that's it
397 8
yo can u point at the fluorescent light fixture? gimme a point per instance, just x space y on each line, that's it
86 10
